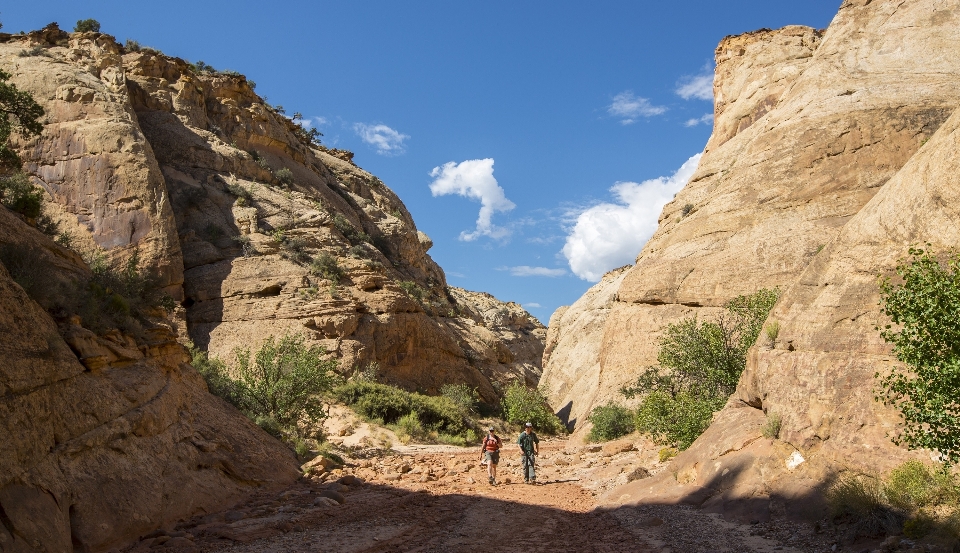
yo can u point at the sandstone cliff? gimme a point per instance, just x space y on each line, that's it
816 138
232 204
255 231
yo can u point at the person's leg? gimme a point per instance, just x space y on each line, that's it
526 468
493 471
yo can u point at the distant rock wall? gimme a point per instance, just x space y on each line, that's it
812 132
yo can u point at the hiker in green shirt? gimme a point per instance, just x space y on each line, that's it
530 448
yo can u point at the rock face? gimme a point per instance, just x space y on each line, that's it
103 438
258 231
817 177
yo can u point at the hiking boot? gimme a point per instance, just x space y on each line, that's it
491 480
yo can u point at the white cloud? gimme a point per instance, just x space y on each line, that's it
386 140
473 179
610 235
698 86
706 119
528 271
532 304
628 107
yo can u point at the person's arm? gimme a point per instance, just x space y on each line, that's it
536 445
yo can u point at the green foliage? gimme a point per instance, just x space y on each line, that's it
346 228
284 176
462 395
87 26
201 67
284 381
771 428
241 192
413 290
214 372
122 297
610 422
309 136
772 331
246 245
925 309
35 51
914 498
295 249
326 266
666 454
699 367
686 210
20 114
131 45
521 405
390 404
18 194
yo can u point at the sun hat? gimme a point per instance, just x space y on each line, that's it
490 429
528 424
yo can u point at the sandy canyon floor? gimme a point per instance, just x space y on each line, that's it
437 499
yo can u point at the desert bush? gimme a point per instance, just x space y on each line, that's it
326 266
771 428
201 67
389 404
413 290
284 381
20 195
772 331
215 374
131 45
346 228
924 312
359 251
610 422
686 210
296 250
916 499
462 395
862 499
666 454
87 26
35 51
284 176
521 404
246 245
700 364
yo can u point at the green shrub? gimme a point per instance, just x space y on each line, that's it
87 26
326 266
246 245
925 309
22 114
914 485
35 51
201 67
20 195
413 290
700 364
610 422
240 191
389 404
131 45
284 176
214 372
461 395
284 381
666 454
676 420
346 228
771 428
862 499
521 404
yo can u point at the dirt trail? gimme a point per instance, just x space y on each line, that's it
437 499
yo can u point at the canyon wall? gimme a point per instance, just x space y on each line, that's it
814 132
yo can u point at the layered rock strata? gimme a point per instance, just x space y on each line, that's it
818 176
256 229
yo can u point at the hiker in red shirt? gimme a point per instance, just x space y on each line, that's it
490 452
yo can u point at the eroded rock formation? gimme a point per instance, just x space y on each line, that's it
816 139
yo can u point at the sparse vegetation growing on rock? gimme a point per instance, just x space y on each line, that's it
699 367
20 114
87 26
326 266
284 176
924 312
915 500
771 428
18 194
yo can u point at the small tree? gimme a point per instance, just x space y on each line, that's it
924 311
18 112
699 366
522 404
87 26
283 382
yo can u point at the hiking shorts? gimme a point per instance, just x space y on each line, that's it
492 457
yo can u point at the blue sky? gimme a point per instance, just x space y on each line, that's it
548 121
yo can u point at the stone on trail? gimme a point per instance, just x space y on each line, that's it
325 502
330 494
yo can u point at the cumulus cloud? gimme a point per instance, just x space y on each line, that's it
473 179
387 141
628 107
528 271
706 119
311 122
610 235
698 86
532 304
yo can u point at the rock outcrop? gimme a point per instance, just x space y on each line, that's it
816 139
256 229
105 438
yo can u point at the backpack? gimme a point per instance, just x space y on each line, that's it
495 439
